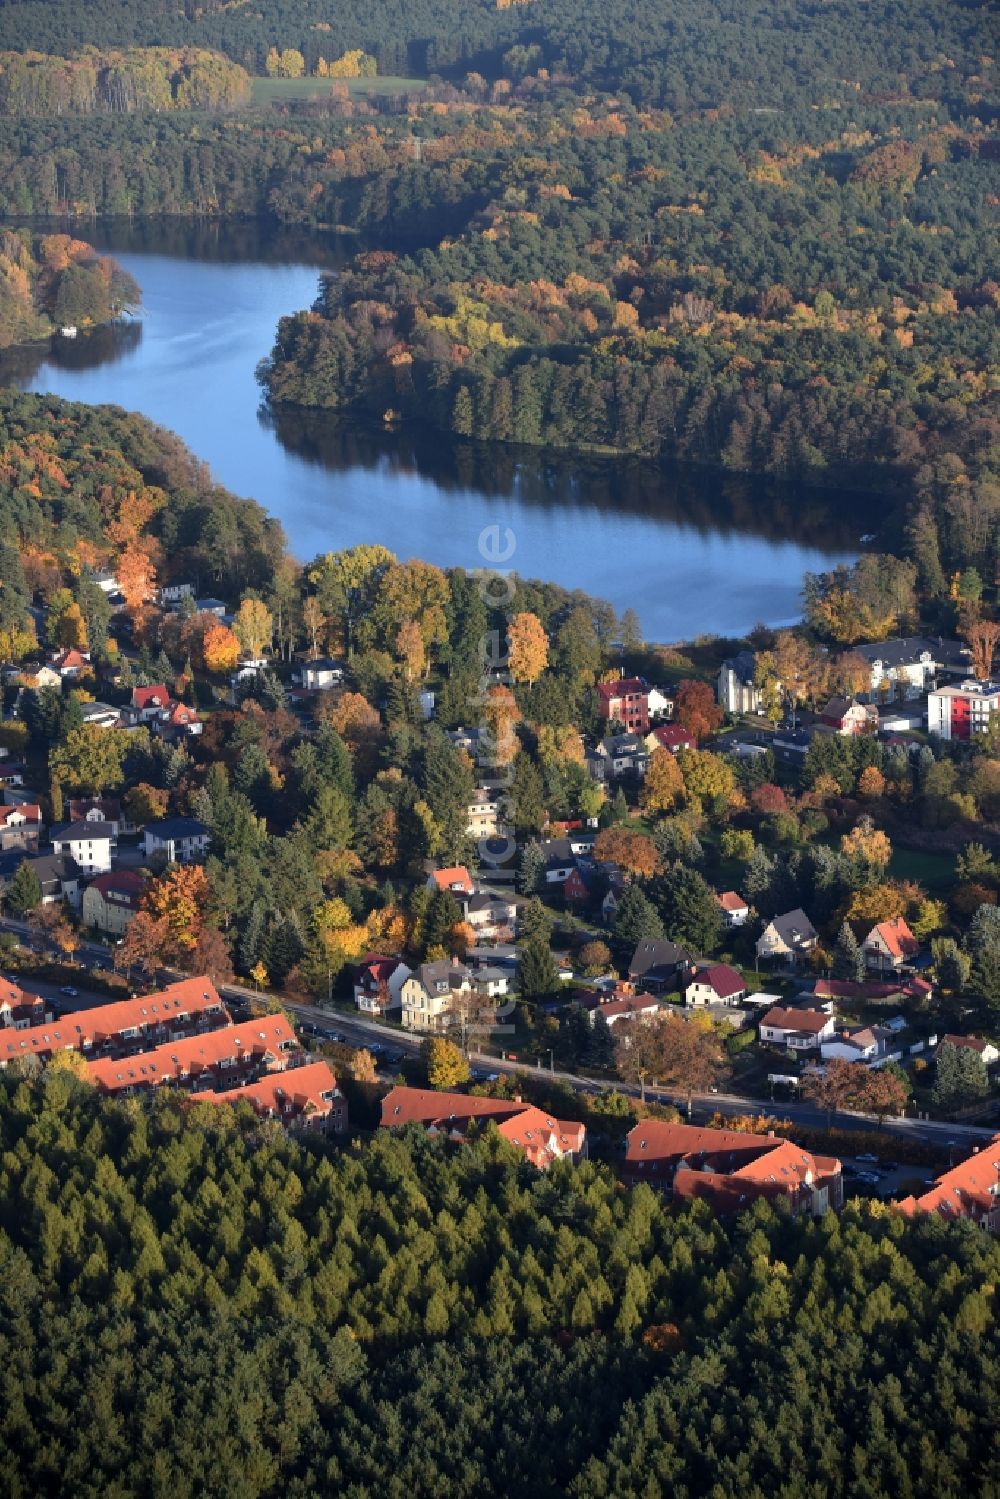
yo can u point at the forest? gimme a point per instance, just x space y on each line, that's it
52 281
400 1318
128 82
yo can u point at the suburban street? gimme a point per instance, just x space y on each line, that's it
359 1031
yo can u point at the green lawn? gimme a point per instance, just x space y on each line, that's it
280 90
936 872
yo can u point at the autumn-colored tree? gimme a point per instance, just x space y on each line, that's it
90 759
527 647
339 940
871 783
768 799
708 778
677 1052
794 666
876 903
696 710
833 1088
594 958
220 649
445 1064
259 975
866 846
72 1061
880 1092
48 924
179 898
853 673
983 636
144 945
144 803
663 785
71 629
211 956
314 622
410 649
633 852
253 627
136 577
501 715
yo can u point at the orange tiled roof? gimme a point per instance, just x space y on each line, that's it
797 1020
968 1190
28 811
301 1088
897 937
193 1055
521 1123
457 875
87 1028
730 901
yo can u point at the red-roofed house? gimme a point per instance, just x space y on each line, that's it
267 1044
148 703
717 985
799 1030
621 1007
457 879
670 736
735 911
625 701
969 1190
21 827
176 721
110 901
303 1097
191 1005
379 983
729 1169
70 663
889 945
987 1051
542 1138
20 1011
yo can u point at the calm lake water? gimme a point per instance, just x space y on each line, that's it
692 553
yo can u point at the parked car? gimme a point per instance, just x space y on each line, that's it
871 1177
70 992
868 1157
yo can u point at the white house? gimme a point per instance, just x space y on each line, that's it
987 1051
321 675
865 1045
89 843
379 983
799 1030
661 705
717 985
735 911
184 840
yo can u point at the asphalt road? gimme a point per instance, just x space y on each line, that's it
361 1032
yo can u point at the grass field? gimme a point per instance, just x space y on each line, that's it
282 90
936 872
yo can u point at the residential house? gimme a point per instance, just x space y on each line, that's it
908 668
21 827
787 939
456 878
798 1030
190 1006
89 843
304 1097
490 982
101 715
321 675
482 814
70 664
987 1051
735 911
100 809
263 1045
58 875
846 715
790 746
889 946
718 984
428 995
731 1170
378 984
671 737
491 914
184 840
39 675
625 701
868 1044
962 710
110 901
11 776
618 755
661 702
735 689
148 703
970 1190
620 1007
658 965
173 594
211 606
20 1011
106 582
178 722
901 718
540 1137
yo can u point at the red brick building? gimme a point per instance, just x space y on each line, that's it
625 701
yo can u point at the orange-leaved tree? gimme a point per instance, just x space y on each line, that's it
527 647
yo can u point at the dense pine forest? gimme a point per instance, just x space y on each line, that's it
197 1304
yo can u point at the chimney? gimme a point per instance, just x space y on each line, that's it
517 1098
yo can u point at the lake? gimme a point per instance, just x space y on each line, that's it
692 552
